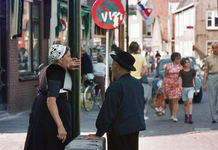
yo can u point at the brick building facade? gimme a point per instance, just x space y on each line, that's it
20 77
18 93
163 26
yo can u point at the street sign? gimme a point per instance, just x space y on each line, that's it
108 14
132 10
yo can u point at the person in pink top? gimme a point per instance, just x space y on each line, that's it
171 84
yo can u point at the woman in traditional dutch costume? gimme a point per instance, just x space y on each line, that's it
50 119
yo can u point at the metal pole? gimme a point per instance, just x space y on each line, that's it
107 63
127 25
53 21
74 42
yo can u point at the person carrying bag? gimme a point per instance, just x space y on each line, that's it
159 104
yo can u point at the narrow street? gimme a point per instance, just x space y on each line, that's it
69 41
162 125
13 128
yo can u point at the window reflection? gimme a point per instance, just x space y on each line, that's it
209 23
24 44
35 46
209 19
28 44
216 22
35 12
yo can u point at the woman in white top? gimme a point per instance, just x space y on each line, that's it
99 71
147 58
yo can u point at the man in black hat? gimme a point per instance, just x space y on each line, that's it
121 115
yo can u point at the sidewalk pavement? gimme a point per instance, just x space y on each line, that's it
13 133
198 140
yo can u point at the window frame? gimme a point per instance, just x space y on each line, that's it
36 21
32 74
214 14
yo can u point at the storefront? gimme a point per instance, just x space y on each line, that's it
23 47
24 42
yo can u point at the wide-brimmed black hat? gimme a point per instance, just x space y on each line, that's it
125 59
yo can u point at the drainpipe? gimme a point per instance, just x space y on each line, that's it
127 25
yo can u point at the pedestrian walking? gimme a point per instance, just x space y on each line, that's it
152 64
211 75
117 50
86 67
99 70
140 62
113 47
157 56
171 84
147 58
186 76
50 118
121 115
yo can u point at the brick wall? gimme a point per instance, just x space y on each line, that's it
161 10
21 94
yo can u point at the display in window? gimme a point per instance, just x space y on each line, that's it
24 44
23 58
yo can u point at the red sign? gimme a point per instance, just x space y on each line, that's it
108 14
189 27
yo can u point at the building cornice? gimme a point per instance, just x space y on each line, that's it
183 8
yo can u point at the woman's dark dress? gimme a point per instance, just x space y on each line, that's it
42 132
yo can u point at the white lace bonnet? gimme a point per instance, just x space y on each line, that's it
56 51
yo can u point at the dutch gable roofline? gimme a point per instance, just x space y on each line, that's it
183 8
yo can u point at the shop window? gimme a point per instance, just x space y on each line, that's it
149 30
28 44
63 34
211 20
35 46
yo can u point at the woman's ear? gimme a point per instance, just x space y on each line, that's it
60 60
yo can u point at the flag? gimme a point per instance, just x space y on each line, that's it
146 11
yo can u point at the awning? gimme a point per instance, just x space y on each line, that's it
85 13
16 9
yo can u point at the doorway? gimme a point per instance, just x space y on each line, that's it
3 61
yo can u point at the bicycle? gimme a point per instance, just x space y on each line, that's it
37 73
91 95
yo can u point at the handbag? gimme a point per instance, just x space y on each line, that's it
159 104
154 101
144 79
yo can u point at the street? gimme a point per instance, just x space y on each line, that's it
13 128
162 125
